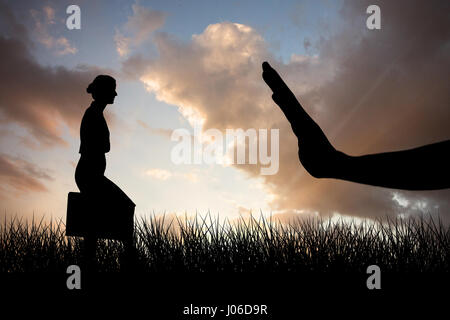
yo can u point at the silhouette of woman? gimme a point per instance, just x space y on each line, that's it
102 193
422 168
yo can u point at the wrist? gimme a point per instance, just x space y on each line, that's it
341 165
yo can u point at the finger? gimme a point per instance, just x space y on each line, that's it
286 99
272 78
269 76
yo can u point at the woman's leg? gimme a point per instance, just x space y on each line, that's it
128 258
89 179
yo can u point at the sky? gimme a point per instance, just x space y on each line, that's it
179 64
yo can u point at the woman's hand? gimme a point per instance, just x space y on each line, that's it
315 152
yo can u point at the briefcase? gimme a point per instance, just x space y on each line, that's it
104 219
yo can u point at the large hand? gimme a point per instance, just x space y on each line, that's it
315 152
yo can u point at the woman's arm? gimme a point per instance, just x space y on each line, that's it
423 168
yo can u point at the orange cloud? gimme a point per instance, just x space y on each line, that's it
43 19
162 174
158 131
21 174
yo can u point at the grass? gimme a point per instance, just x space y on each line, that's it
203 244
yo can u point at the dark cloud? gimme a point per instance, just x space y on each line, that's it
22 175
9 24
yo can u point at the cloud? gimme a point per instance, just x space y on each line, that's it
49 14
38 98
159 174
10 25
22 175
215 70
167 133
137 29
42 20
371 91
162 174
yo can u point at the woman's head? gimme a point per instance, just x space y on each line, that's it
103 89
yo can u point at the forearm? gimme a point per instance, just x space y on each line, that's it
423 168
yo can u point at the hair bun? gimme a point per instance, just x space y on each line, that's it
100 83
90 88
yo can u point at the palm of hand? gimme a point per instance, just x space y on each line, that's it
315 152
